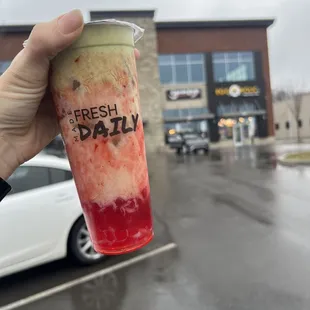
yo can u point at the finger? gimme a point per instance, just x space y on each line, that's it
46 41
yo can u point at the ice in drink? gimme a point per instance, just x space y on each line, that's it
95 90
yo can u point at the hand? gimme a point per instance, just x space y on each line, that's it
27 115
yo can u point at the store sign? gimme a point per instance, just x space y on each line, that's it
236 91
183 94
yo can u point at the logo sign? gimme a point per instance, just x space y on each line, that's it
236 91
183 94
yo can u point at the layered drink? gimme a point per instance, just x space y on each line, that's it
95 90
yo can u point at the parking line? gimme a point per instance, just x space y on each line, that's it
67 285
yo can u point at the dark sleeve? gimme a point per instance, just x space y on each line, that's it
4 188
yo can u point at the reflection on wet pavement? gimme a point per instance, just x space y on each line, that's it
159 283
242 225
244 207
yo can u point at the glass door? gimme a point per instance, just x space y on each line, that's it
238 134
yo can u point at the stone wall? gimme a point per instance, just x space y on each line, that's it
149 84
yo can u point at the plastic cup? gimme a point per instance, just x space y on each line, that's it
95 89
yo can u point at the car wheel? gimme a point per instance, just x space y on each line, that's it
179 151
195 152
80 248
206 151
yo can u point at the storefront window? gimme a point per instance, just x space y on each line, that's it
233 66
244 106
4 65
166 74
181 74
181 68
245 124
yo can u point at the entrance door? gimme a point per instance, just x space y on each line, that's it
238 134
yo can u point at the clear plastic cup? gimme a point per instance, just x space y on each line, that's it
95 89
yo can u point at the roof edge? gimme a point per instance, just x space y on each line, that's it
251 23
121 14
16 28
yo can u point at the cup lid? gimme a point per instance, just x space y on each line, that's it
137 31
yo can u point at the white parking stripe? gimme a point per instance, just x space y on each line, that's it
67 285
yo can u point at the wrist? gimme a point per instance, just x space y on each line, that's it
7 159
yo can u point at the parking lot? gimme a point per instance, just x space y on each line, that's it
232 232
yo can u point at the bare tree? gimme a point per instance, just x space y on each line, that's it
292 93
280 95
295 108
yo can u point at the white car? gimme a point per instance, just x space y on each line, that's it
41 219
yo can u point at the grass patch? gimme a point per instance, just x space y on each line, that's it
298 156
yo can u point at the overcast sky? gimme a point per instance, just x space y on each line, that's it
289 38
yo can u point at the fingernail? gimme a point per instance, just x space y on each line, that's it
70 22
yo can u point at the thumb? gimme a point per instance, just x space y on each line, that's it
46 41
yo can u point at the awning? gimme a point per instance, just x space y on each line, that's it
242 114
191 118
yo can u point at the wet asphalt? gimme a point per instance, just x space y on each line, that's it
242 226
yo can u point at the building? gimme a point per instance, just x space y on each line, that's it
211 77
287 119
215 78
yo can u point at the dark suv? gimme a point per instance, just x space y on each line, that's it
189 143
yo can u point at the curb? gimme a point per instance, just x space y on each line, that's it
292 162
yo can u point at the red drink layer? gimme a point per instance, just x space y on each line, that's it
118 223
97 102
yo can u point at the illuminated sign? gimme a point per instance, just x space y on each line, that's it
236 91
181 94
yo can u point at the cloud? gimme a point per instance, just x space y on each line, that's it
290 45
19 11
